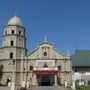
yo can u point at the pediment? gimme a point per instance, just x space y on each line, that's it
45 51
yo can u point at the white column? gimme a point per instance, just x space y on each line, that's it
34 80
13 86
65 83
55 80
23 84
13 79
28 84
73 85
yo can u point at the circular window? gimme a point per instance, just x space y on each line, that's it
45 53
31 68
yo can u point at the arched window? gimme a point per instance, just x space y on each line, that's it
12 42
45 53
12 32
11 55
5 32
59 67
19 32
31 68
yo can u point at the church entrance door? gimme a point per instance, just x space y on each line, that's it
45 80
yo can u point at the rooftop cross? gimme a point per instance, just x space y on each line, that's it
45 39
68 54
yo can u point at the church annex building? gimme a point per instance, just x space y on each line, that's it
45 66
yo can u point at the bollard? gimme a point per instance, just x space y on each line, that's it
65 83
73 85
9 84
28 84
12 86
23 84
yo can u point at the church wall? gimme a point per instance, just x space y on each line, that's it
6 53
5 77
33 55
20 42
6 40
65 72
58 55
60 63
16 29
31 63
7 65
18 65
20 53
9 28
18 78
68 65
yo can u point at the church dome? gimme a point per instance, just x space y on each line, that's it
15 21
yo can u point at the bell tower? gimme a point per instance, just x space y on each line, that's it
13 48
14 41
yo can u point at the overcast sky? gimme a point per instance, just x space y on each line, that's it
66 23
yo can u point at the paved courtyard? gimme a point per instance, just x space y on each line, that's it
49 88
4 88
41 88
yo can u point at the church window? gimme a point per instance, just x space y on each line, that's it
11 55
12 32
31 68
59 67
45 53
19 32
12 42
5 32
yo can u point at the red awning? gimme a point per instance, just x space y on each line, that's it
45 71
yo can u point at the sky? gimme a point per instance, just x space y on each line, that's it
66 23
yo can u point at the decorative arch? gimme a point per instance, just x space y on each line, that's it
12 31
11 55
12 43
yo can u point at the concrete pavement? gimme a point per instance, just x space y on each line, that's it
49 88
4 88
41 88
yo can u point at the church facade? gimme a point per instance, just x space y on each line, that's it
43 66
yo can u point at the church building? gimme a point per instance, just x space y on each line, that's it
44 66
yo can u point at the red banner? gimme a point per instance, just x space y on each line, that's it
45 71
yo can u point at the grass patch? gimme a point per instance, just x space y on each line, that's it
82 87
